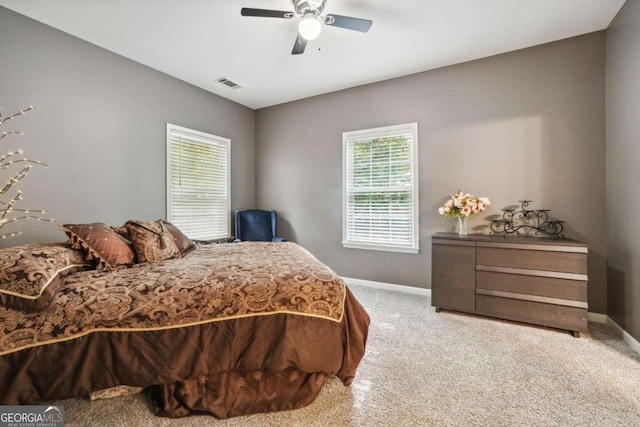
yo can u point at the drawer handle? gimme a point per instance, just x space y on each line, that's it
534 247
537 273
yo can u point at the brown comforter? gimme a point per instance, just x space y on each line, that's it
228 330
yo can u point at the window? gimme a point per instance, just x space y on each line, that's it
198 199
380 174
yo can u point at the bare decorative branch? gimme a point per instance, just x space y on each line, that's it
26 110
8 212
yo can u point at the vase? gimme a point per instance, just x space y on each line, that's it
463 222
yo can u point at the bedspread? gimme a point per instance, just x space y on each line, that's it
252 310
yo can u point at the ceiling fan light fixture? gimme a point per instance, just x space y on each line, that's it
310 13
310 27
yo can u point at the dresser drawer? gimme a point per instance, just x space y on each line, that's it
574 290
568 262
453 275
558 316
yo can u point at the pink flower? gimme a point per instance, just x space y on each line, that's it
463 204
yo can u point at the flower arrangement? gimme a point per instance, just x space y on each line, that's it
463 205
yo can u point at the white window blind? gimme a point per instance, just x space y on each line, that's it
381 189
198 199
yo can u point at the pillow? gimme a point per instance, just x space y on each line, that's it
184 244
152 240
32 274
122 231
100 243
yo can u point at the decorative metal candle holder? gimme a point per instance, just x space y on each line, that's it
523 219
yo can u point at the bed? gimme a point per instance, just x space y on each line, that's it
227 330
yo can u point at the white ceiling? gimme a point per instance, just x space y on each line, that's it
199 41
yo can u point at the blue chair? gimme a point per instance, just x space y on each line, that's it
256 225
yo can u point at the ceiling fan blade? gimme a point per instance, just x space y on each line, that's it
299 45
266 13
350 23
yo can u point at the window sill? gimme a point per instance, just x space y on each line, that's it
406 250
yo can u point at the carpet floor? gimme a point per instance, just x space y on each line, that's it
444 369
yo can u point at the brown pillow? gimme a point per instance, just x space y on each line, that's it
184 244
122 231
32 274
152 240
100 243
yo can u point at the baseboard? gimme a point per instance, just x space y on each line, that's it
388 286
592 317
597 317
626 336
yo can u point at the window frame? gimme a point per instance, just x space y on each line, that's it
206 138
373 133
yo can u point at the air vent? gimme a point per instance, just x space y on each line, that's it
225 81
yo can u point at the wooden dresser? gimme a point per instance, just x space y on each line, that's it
532 280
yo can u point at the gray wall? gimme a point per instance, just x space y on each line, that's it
623 170
523 124
100 125
527 124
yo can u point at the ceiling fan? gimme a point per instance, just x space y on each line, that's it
312 19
